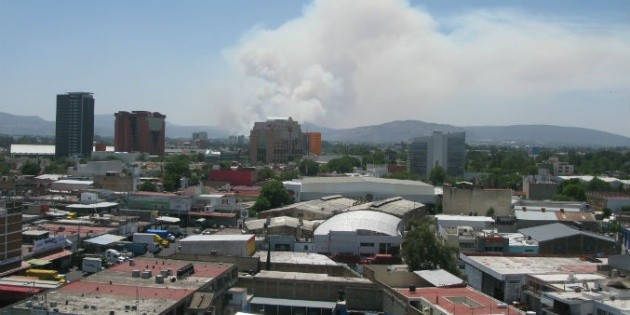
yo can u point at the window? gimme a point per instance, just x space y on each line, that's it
367 244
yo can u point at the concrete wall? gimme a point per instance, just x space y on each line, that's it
464 201
358 296
540 191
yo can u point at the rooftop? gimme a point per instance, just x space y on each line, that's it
218 237
499 266
296 258
301 276
378 222
396 206
459 300
115 289
552 231
439 277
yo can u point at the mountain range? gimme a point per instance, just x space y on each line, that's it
395 131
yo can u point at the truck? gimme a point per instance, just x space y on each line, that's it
113 256
150 239
164 234
381 259
91 264
176 230
45 274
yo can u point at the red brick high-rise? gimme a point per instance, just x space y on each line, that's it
314 143
140 131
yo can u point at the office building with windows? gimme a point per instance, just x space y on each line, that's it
74 125
447 150
140 131
277 140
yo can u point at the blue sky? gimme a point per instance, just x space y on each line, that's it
333 63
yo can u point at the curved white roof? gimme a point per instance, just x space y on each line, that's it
353 221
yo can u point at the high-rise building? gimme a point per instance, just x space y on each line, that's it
10 234
277 140
74 130
314 140
140 131
447 150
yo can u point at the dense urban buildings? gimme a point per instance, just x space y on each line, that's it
140 131
447 150
10 234
277 140
74 130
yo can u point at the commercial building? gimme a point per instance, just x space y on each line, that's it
144 286
560 239
10 234
219 244
359 233
235 177
614 201
504 277
539 187
474 201
277 140
406 210
316 209
447 150
314 140
74 125
140 131
360 187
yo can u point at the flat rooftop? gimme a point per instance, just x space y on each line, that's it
301 276
115 289
459 300
296 258
499 266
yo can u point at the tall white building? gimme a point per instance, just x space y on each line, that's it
447 150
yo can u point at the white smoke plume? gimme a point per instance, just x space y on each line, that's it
356 62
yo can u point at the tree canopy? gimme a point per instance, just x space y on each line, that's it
422 250
344 164
308 167
30 168
437 175
272 195
175 168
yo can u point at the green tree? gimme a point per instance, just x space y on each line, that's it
437 175
308 167
272 195
569 190
147 186
597 184
344 164
490 212
402 175
422 250
30 168
266 173
175 168
288 175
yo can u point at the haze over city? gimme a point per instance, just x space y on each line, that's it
331 63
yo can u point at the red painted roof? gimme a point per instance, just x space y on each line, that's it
19 289
210 270
440 297
69 230
57 255
129 291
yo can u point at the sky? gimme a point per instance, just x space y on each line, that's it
333 63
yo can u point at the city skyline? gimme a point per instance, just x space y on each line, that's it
335 64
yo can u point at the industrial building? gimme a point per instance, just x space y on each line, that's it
219 244
143 286
406 210
140 131
74 125
360 187
447 150
473 201
504 277
277 140
561 239
316 209
359 233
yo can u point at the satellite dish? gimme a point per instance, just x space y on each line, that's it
244 214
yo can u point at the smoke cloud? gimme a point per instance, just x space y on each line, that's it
357 62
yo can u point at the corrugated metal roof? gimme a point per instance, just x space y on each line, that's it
105 239
535 215
361 220
439 277
294 303
558 230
